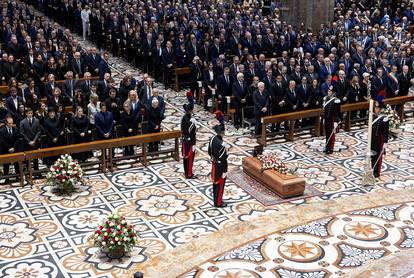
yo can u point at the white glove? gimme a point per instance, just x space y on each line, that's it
193 120
384 146
335 125
227 146
224 175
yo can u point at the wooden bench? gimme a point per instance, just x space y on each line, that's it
106 161
18 157
316 113
4 89
180 72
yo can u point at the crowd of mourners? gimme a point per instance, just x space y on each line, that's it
231 48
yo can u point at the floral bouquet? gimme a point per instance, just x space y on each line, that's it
394 119
65 174
115 235
270 161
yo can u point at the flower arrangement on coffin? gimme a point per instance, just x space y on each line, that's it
393 118
270 161
65 174
115 236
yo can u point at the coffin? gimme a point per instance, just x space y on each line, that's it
283 185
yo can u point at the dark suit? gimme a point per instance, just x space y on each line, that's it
167 59
68 90
8 141
31 132
78 67
239 91
103 68
223 90
104 124
260 101
93 63
10 104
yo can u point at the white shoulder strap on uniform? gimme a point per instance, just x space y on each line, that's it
379 117
328 102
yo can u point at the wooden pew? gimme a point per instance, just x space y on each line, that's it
104 145
290 117
180 72
4 88
315 113
18 157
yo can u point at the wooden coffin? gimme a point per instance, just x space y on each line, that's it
283 185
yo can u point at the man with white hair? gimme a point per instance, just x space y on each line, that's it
239 91
261 104
154 123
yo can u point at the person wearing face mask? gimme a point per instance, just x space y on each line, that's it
218 154
188 137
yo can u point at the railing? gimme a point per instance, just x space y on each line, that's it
316 113
106 161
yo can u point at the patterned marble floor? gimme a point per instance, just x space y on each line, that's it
328 247
42 235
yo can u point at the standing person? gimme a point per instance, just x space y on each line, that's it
218 155
104 122
30 130
331 107
261 103
85 21
188 133
154 123
129 125
239 91
380 126
9 136
82 134
54 133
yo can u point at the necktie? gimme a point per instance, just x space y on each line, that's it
10 131
30 122
227 79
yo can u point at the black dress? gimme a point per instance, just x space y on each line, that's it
53 129
129 128
80 125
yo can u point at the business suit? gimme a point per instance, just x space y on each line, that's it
104 124
260 100
239 91
68 90
10 104
209 80
154 125
93 63
8 140
103 68
31 133
167 59
224 89
80 125
78 67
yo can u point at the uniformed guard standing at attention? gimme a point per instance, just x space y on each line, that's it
218 154
379 139
331 108
188 134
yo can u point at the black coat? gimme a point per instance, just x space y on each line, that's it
218 153
7 140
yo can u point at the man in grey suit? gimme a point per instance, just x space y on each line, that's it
30 130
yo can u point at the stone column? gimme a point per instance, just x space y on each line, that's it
312 13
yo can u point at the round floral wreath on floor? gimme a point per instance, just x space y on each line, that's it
115 235
270 160
65 174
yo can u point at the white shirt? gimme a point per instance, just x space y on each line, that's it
92 110
85 15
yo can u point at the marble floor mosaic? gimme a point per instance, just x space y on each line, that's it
42 235
327 247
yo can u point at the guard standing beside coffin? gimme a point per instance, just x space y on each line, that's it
218 154
380 127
